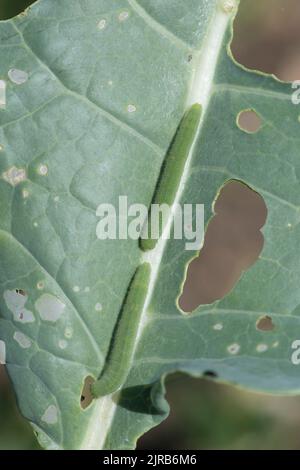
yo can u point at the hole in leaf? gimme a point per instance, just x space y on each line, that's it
249 121
211 374
233 242
86 394
265 323
267 37
9 8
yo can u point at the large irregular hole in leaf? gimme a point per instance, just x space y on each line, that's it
86 394
275 46
233 242
11 8
249 121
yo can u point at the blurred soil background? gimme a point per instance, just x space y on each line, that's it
204 414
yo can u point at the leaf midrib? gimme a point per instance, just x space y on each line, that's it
155 256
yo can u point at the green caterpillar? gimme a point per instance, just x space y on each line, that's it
173 167
122 349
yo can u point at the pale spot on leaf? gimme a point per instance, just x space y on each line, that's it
22 340
2 352
40 285
124 15
51 415
228 5
131 108
234 348
15 301
261 348
49 307
63 344
43 170
101 24
14 176
17 76
2 94
68 332
24 316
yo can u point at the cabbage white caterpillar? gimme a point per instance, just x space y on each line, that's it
123 344
173 167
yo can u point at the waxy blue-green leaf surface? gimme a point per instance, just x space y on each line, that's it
108 83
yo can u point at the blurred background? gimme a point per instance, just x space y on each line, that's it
204 414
